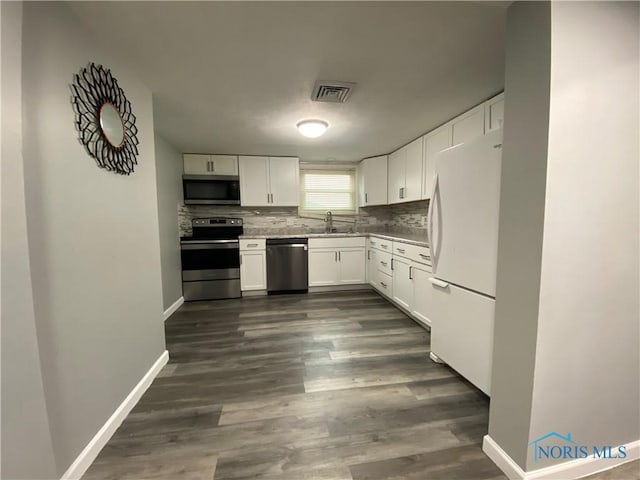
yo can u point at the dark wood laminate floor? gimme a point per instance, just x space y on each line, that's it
325 386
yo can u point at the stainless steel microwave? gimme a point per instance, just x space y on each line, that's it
211 189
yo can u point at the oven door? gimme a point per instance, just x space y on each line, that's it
210 260
211 190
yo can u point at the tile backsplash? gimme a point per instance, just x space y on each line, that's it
404 217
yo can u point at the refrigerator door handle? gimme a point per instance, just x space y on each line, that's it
438 283
432 207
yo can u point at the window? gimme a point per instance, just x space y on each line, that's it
323 190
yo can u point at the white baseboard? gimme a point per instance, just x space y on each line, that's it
91 451
176 305
567 470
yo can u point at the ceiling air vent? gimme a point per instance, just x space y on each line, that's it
333 92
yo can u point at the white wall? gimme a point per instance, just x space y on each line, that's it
169 179
27 450
93 238
587 372
522 204
582 375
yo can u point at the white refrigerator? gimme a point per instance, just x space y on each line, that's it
463 234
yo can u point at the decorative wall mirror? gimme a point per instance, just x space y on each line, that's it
104 120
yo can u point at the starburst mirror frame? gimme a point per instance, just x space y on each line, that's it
106 126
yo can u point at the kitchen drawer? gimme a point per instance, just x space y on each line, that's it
381 244
383 262
336 242
255 244
412 252
385 284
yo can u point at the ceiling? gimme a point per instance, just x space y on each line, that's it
235 77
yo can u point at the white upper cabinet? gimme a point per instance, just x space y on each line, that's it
373 181
202 164
494 113
396 176
405 173
469 125
434 142
284 174
254 181
269 181
413 171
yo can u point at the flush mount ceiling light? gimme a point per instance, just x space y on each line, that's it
312 128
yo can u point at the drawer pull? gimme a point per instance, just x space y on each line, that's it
425 256
252 245
438 283
400 250
384 246
383 284
383 263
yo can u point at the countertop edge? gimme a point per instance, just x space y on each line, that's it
386 236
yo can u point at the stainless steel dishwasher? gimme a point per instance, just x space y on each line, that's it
287 265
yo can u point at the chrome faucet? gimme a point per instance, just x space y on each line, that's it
328 223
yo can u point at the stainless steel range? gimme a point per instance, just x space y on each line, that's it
211 259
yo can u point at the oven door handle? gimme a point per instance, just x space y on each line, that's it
209 246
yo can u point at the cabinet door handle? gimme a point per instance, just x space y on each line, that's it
392 264
410 277
213 166
366 198
335 256
240 259
368 254
339 256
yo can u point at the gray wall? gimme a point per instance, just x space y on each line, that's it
522 202
587 372
566 351
169 180
27 450
93 238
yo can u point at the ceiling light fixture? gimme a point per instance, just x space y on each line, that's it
312 128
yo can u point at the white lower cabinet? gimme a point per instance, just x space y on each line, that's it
372 268
337 261
352 267
402 284
323 267
422 293
385 284
401 272
253 270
